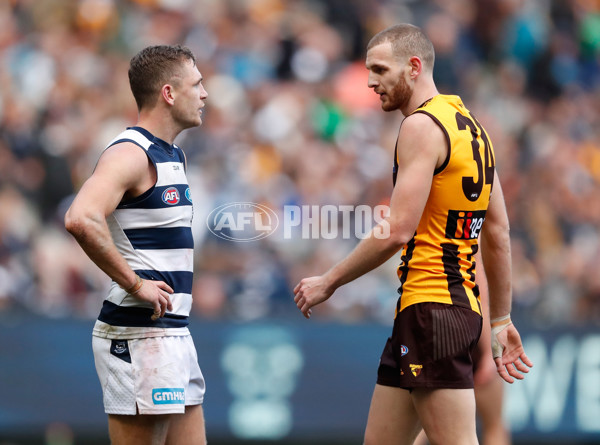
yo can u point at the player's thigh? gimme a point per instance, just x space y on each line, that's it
447 415
392 417
187 428
138 429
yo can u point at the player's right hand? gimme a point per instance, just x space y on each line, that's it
157 294
310 292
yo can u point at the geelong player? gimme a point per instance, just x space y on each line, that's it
133 218
446 186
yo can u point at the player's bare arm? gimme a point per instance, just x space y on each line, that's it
122 171
495 250
422 148
507 348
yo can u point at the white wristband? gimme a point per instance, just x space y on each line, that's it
496 320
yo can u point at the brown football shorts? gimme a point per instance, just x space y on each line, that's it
431 346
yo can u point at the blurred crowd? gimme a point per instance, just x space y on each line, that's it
290 121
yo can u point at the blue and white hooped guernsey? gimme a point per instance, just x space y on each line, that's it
153 232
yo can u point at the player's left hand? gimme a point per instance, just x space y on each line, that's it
509 354
309 292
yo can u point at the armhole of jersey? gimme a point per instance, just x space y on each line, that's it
144 195
448 147
119 141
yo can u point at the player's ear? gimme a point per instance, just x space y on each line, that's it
416 66
168 94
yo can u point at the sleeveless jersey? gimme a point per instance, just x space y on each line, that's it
438 262
153 233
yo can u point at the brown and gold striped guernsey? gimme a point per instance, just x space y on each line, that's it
438 262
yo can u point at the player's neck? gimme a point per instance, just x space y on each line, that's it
160 126
421 94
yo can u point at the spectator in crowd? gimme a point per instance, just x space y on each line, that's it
288 126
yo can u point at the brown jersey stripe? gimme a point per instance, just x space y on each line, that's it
410 248
471 272
450 259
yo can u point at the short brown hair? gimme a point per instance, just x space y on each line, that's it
407 40
152 67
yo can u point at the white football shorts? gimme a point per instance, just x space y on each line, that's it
156 375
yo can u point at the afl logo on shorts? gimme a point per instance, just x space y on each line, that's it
171 196
403 350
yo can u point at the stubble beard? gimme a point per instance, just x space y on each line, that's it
398 97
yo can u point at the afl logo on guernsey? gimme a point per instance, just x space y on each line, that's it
171 196
403 350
